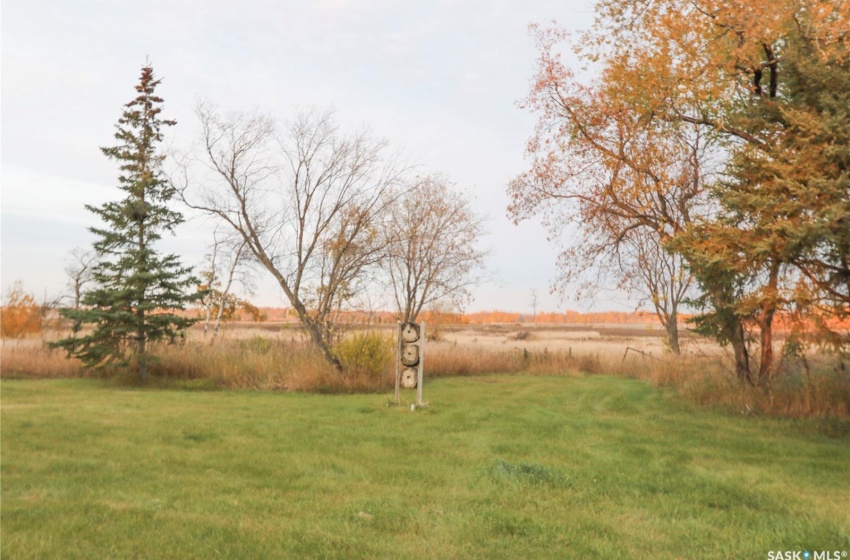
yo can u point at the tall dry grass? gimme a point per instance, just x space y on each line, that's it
31 358
446 361
823 391
254 363
276 364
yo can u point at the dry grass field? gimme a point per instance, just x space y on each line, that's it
276 356
587 338
600 339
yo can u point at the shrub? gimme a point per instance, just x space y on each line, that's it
21 315
256 343
366 352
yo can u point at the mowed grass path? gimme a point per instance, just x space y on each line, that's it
498 467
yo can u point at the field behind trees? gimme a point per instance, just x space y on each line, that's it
497 467
277 356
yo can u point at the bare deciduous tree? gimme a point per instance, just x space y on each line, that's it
79 271
432 235
533 303
227 261
304 201
658 275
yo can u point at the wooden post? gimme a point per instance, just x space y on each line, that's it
397 363
421 365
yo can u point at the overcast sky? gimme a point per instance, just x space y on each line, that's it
439 79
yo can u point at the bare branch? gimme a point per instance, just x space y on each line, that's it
304 201
432 235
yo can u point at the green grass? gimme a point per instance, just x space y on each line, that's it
498 467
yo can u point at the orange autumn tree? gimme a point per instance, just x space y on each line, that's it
719 93
20 315
773 81
611 178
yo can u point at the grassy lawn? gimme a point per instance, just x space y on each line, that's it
498 467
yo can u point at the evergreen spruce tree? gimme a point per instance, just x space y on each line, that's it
137 289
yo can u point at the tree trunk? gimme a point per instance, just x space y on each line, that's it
141 268
673 334
78 289
315 331
742 356
141 335
322 345
217 323
143 358
766 341
207 317
766 325
670 321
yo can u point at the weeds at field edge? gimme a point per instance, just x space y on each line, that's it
269 364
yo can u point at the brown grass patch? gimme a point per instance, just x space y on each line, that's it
444 361
263 364
823 392
286 362
32 359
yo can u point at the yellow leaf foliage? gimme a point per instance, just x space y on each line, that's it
21 315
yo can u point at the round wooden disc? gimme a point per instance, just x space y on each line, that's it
408 378
410 354
410 332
